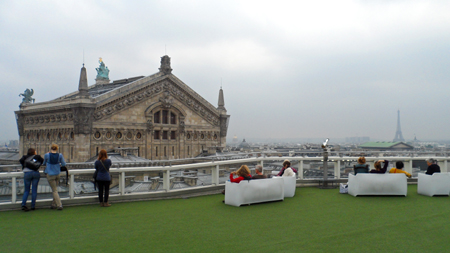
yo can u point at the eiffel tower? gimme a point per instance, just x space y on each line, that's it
398 134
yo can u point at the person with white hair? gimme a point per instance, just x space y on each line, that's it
432 167
259 173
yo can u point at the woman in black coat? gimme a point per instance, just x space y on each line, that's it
30 166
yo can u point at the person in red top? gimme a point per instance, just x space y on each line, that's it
243 172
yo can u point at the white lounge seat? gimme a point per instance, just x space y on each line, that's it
377 184
290 184
254 191
436 184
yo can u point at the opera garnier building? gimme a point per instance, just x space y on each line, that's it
159 116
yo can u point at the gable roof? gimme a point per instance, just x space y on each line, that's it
384 144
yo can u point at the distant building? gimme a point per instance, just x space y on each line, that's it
244 145
386 146
158 115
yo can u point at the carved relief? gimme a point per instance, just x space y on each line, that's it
167 101
149 125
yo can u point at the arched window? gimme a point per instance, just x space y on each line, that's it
156 153
173 118
165 117
165 154
188 151
157 117
173 150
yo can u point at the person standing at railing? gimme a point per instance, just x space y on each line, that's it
361 167
287 168
432 167
399 169
31 177
378 168
103 177
53 162
243 173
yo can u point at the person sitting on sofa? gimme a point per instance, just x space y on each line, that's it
378 168
432 167
361 167
243 173
259 174
287 166
399 169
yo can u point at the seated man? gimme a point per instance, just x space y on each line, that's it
399 169
432 167
259 174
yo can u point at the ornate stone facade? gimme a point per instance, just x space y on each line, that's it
159 115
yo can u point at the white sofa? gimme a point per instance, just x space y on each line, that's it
290 184
436 184
377 184
254 191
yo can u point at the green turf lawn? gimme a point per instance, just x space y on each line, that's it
314 220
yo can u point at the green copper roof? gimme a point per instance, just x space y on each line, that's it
379 144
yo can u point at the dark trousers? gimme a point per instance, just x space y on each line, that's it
103 188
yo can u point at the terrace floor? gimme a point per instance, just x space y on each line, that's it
315 220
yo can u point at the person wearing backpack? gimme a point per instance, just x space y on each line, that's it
53 161
103 177
30 166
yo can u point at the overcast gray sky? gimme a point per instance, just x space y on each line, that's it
289 68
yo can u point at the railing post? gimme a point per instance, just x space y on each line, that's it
71 184
443 165
300 169
215 175
337 169
166 180
409 166
122 183
371 165
14 190
445 168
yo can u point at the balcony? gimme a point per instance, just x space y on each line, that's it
165 180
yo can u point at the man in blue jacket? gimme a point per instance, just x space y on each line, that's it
53 162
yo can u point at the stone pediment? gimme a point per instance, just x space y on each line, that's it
168 87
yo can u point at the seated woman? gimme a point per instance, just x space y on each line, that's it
378 168
361 167
243 172
287 169
399 169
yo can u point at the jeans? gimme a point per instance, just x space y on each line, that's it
53 181
30 179
103 186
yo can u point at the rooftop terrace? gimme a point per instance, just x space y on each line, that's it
315 220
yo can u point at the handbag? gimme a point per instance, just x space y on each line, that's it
64 168
32 164
343 188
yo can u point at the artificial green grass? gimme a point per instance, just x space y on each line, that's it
314 220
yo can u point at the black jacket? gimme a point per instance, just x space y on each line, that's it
434 168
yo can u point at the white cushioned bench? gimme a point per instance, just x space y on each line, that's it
436 184
290 184
377 184
254 191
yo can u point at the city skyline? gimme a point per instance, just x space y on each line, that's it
312 70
